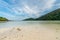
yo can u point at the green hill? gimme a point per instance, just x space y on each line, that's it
54 15
29 19
3 19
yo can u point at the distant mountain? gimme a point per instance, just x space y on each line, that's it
3 19
30 19
54 15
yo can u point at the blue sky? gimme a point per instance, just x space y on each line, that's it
21 9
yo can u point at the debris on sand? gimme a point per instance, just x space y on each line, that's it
18 29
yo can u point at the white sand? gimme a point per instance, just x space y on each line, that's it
28 33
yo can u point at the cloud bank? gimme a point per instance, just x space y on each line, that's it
27 8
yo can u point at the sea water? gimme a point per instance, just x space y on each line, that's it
47 29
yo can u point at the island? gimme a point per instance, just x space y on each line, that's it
3 19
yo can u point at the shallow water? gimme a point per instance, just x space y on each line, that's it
28 23
50 29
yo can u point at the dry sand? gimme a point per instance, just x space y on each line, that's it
28 33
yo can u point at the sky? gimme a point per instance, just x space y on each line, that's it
22 9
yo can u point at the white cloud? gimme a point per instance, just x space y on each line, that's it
57 5
38 7
28 6
29 10
16 10
35 9
7 15
32 7
49 3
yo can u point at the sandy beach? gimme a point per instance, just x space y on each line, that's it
28 33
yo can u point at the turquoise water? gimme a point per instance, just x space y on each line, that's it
28 23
